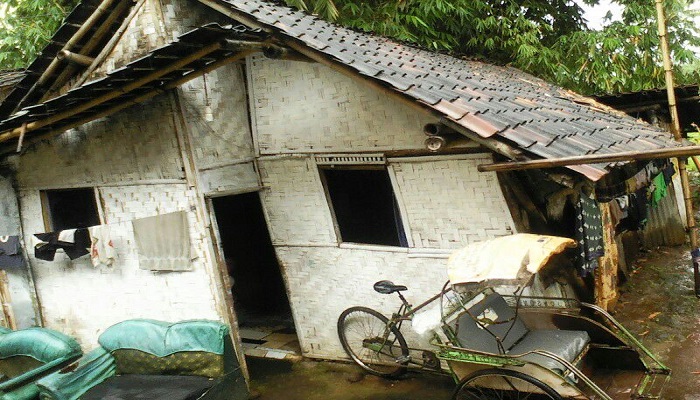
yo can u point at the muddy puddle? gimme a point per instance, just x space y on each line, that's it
308 380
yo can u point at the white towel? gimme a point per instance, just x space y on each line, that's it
67 236
101 246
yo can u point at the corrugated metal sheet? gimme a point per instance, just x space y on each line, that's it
664 225
493 101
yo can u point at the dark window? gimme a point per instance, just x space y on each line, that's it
71 208
365 207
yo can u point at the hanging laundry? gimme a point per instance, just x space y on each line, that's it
589 233
660 190
10 252
74 242
668 172
101 246
163 242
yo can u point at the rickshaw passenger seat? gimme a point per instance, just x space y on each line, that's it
498 318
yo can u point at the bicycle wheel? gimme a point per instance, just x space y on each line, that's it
375 346
503 384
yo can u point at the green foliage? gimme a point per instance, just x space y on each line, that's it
26 28
548 38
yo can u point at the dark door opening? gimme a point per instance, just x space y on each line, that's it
259 294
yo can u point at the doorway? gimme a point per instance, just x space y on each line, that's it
259 294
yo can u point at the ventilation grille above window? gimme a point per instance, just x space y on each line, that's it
351 159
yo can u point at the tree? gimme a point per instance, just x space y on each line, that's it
546 38
26 28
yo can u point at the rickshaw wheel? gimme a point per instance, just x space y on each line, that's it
375 345
503 384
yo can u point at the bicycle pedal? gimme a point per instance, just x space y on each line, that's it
403 359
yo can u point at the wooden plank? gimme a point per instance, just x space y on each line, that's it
670 152
7 301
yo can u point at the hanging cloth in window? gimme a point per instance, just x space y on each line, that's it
163 242
589 234
74 242
10 252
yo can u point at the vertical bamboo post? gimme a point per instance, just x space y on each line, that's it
676 130
7 301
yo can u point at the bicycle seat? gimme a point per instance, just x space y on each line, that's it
388 287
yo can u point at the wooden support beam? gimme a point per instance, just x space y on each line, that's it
74 58
107 49
96 38
671 152
6 299
77 36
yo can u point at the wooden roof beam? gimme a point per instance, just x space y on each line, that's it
669 152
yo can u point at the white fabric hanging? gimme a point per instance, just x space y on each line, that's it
163 242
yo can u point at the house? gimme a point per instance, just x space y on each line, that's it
309 161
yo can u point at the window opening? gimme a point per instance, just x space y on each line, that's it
70 208
365 206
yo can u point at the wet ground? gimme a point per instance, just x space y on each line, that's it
657 304
659 307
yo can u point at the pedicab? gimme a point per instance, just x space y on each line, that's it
499 340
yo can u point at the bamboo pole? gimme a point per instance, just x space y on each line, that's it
139 99
10 134
591 159
77 36
87 48
107 49
75 58
676 130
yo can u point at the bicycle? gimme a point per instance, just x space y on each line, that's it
376 343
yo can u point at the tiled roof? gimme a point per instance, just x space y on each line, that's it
497 102
10 78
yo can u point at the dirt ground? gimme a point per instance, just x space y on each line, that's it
657 304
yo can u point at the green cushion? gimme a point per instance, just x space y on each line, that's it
163 338
27 392
4 330
17 365
199 363
93 368
42 344
27 355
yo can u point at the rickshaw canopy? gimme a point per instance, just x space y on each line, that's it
507 258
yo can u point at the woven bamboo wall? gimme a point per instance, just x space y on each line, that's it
306 107
134 161
450 204
137 144
21 291
325 281
295 203
156 23
215 106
